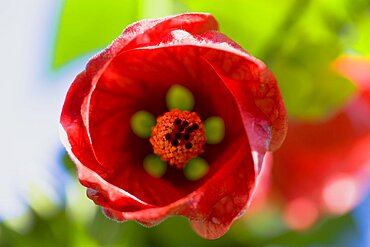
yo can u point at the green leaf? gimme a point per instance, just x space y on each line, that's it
69 165
362 43
329 233
252 24
311 89
303 62
89 24
151 9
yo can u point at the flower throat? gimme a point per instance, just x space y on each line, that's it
178 137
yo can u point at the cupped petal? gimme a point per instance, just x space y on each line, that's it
262 107
160 66
226 81
225 196
74 119
74 137
207 226
253 86
73 131
119 94
150 31
139 34
213 206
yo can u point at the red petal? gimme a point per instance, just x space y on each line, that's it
75 136
216 204
75 139
248 74
118 149
75 110
155 55
146 32
225 196
252 85
144 60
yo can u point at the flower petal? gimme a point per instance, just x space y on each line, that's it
231 190
215 205
219 226
119 94
248 74
249 81
74 119
146 60
140 34
146 32
75 139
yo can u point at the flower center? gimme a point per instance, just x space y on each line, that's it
178 137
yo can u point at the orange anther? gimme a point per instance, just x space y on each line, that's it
178 137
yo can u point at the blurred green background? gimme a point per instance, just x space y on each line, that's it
297 39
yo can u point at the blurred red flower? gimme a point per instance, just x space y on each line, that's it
324 167
133 74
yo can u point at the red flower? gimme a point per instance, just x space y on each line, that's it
134 74
323 167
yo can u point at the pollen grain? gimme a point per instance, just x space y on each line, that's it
178 137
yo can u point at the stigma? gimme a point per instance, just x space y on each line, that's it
178 137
